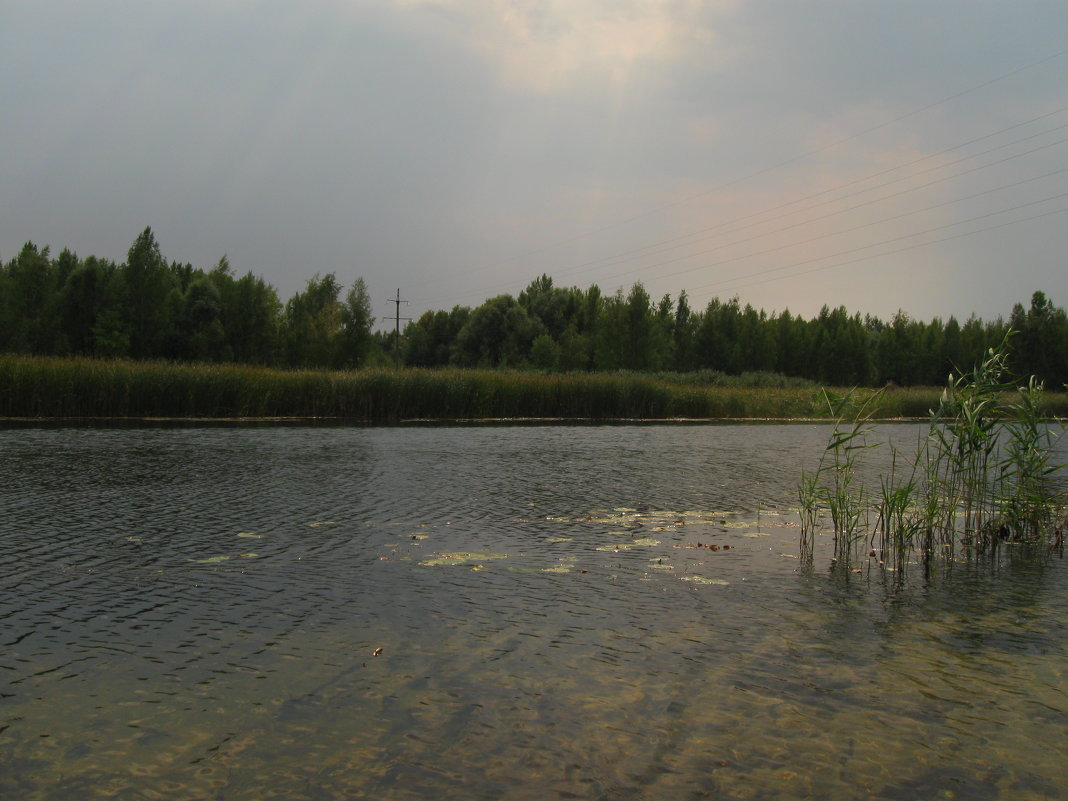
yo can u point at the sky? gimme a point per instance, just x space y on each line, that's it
884 156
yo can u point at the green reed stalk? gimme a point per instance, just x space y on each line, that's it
982 475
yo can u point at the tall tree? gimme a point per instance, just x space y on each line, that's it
357 321
313 322
150 306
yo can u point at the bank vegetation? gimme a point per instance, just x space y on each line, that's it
55 387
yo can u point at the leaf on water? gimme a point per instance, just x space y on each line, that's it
624 509
556 569
323 523
460 558
658 564
623 546
703 580
420 536
211 560
249 535
754 534
133 539
646 541
560 539
248 555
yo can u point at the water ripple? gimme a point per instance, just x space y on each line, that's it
291 612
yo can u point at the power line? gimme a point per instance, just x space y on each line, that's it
853 208
625 255
797 158
669 244
894 239
899 250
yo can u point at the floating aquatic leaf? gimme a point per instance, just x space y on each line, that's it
211 560
249 535
133 539
323 523
560 539
754 534
703 580
419 536
248 555
624 509
556 569
646 541
460 558
658 564
622 546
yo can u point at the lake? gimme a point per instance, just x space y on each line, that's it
493 612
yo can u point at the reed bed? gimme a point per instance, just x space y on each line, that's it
48 387
981 477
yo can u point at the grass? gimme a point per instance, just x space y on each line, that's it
47 387
980 477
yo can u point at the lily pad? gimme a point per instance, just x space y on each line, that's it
560 539
323 523
703 580
460 558
646 541
212 560
249 535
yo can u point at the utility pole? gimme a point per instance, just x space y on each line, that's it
397 321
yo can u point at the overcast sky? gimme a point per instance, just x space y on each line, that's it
880 155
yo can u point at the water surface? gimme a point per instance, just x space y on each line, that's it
195 613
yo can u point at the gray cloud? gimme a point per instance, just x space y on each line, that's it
459 149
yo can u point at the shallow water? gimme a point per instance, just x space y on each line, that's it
195 612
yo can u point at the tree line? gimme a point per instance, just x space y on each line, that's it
147 308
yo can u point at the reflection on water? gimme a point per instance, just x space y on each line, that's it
601 612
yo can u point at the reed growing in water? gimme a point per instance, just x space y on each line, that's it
980 477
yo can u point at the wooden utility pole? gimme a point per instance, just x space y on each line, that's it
397 321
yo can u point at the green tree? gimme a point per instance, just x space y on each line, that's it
357 321
430 340
252 320
313 323
152 294
498 333
544 353
30 314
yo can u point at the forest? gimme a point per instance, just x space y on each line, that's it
149 308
